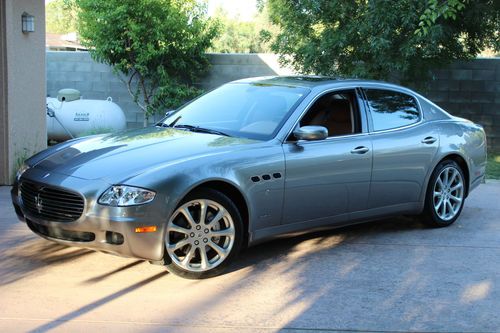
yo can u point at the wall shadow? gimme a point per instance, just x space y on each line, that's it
104 276
91 306
26 255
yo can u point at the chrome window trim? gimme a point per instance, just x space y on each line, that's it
396 128
327 91
331 138
402 91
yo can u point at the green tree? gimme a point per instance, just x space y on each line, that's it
157 46
243 36
60 16
381 39
236 36
436 9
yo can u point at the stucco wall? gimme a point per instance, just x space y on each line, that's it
26 88
3 98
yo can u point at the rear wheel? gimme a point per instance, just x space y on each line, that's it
445 195
203 235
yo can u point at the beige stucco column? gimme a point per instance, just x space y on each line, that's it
22 85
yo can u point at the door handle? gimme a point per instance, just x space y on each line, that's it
360 150
429 140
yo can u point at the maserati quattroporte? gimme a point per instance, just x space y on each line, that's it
249 161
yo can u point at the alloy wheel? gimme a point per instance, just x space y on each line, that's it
200 235
448 193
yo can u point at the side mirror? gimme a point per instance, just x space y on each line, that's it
169 113
311 133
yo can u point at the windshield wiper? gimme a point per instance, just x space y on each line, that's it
172 124
201 129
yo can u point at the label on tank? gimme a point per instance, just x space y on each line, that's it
81 116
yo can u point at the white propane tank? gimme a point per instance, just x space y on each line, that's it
82 117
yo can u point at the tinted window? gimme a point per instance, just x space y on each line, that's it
391 109
336 111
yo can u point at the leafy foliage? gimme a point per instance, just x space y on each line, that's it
158 46
243 36
435 9
380 39
61 16
493 166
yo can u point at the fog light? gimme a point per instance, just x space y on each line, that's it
114 238
151 228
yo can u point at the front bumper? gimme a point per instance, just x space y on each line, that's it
101 228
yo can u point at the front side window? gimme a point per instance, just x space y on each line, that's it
337 111
391 109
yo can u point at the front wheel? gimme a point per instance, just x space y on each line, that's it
445 195
203 235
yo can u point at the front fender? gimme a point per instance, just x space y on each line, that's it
264 198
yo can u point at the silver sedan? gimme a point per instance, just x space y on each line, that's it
252 160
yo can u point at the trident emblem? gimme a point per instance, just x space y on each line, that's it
38 203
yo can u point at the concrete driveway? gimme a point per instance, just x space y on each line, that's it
392 275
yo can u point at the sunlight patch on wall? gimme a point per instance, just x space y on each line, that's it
476 292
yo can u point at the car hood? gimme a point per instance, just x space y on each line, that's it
119 156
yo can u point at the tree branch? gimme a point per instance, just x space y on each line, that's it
128 83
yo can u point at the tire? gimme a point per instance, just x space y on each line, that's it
219 235
445 195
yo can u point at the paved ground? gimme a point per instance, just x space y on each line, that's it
391 275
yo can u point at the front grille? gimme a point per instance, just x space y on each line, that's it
51 203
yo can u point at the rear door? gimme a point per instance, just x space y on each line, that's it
403 147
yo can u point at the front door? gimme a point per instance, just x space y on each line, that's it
328 179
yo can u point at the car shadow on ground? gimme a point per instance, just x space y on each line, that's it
324 239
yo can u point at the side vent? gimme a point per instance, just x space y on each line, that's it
266 177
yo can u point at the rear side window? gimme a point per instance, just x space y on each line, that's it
391 109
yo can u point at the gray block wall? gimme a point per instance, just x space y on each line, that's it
77 70
466 89
471 90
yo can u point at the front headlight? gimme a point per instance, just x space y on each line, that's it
121 195
21 170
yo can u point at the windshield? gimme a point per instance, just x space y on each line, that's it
254 111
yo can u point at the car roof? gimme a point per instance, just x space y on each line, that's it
306 81
318 82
